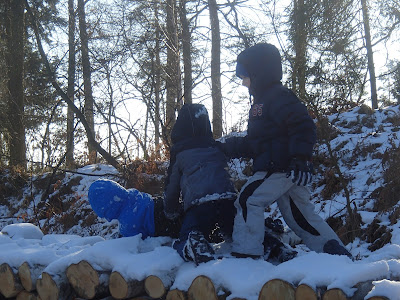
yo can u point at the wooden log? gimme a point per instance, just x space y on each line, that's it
121 288
25 295
305 292
53 287
176 295
277 289
29 275
10 284
85 281
334 294
154 287
378 298
202 288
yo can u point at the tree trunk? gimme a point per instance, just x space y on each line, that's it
120 288
111 160
370 54
154 287
304 291
334 294
87 81
54 287
176 295
87 282
202 288
277 289
216 93
29 275
25 295
157 86
300 47
15 28
10 284
69 158
172 69
186 53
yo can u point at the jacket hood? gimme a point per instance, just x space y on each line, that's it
263 64
107 198
193 121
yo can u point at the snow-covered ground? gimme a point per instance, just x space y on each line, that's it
137 258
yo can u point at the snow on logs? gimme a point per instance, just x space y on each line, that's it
84 281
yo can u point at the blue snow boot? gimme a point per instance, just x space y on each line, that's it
197 248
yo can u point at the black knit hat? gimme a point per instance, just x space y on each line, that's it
192 121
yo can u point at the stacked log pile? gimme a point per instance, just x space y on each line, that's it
83 281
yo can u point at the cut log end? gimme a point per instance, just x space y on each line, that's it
46 287
154 287
202 288
83 279
25 295
277 289
10 284
24 273
334 294
121 288
176 295
304 291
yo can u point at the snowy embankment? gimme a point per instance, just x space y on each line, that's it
362 141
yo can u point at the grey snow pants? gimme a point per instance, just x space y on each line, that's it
294 204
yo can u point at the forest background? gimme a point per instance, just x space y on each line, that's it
89 81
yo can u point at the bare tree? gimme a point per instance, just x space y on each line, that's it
87 82
370 54
300 48
15 28
186 52
107 156
172 69
216 93
69 158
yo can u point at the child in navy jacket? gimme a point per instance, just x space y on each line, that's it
280 139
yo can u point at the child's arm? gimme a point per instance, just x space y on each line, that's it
172 209
235 147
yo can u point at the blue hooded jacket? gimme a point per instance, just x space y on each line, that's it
198 168
279 126
134 210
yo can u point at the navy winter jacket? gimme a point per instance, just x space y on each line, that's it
279 126
198 168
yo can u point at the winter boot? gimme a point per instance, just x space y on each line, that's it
275 225
276 251
197 248
333 247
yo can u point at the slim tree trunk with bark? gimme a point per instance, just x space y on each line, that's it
87 82
186 53
15 27
370 54
172 68
157 86
215 69
71 83
300 47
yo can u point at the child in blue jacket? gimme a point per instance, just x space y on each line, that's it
198 184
